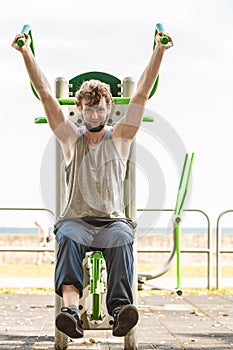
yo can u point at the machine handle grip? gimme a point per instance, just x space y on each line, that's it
160 28
164 40
26 30
21 41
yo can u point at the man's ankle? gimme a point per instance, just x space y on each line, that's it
74 307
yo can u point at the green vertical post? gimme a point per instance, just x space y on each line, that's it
177 215
178 262
96 285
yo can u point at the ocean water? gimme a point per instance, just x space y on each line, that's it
18 231
152 230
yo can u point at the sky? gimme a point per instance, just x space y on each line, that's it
194 96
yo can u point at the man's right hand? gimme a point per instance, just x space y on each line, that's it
25 46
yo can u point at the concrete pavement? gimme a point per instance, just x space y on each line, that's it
166 322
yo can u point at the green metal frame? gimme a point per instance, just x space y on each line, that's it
69 101
113 81
96 284
21 41
164 39
77 81
178 212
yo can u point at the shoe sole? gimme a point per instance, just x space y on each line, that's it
66 324
127 319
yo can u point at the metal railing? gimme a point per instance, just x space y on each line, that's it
207 250
219 249
26 209
30 249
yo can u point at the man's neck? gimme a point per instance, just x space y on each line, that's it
94 138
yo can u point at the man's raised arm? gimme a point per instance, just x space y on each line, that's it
129 125
65 131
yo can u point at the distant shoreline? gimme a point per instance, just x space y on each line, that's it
140 230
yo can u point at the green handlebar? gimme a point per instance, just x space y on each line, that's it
164 40
26 30
21 41
160 28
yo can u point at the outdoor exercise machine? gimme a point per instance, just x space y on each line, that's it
92 305
175 251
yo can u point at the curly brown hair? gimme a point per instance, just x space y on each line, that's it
93 90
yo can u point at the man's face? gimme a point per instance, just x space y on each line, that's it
94 116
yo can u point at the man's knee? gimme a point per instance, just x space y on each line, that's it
118 234
70 231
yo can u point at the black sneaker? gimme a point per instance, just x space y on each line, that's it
68 322
125 318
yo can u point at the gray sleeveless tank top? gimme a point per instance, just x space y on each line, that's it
95 180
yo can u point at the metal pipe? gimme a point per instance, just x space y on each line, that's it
219 251
62 91
131 339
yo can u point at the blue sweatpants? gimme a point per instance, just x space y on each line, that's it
114 238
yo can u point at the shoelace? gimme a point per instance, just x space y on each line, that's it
116 311
70 311
73 313
66 309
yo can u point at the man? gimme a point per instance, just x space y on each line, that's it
95 157
45 238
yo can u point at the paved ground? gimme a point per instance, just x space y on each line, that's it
47 282
166 322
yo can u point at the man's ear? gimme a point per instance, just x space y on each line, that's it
79 109
78 106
